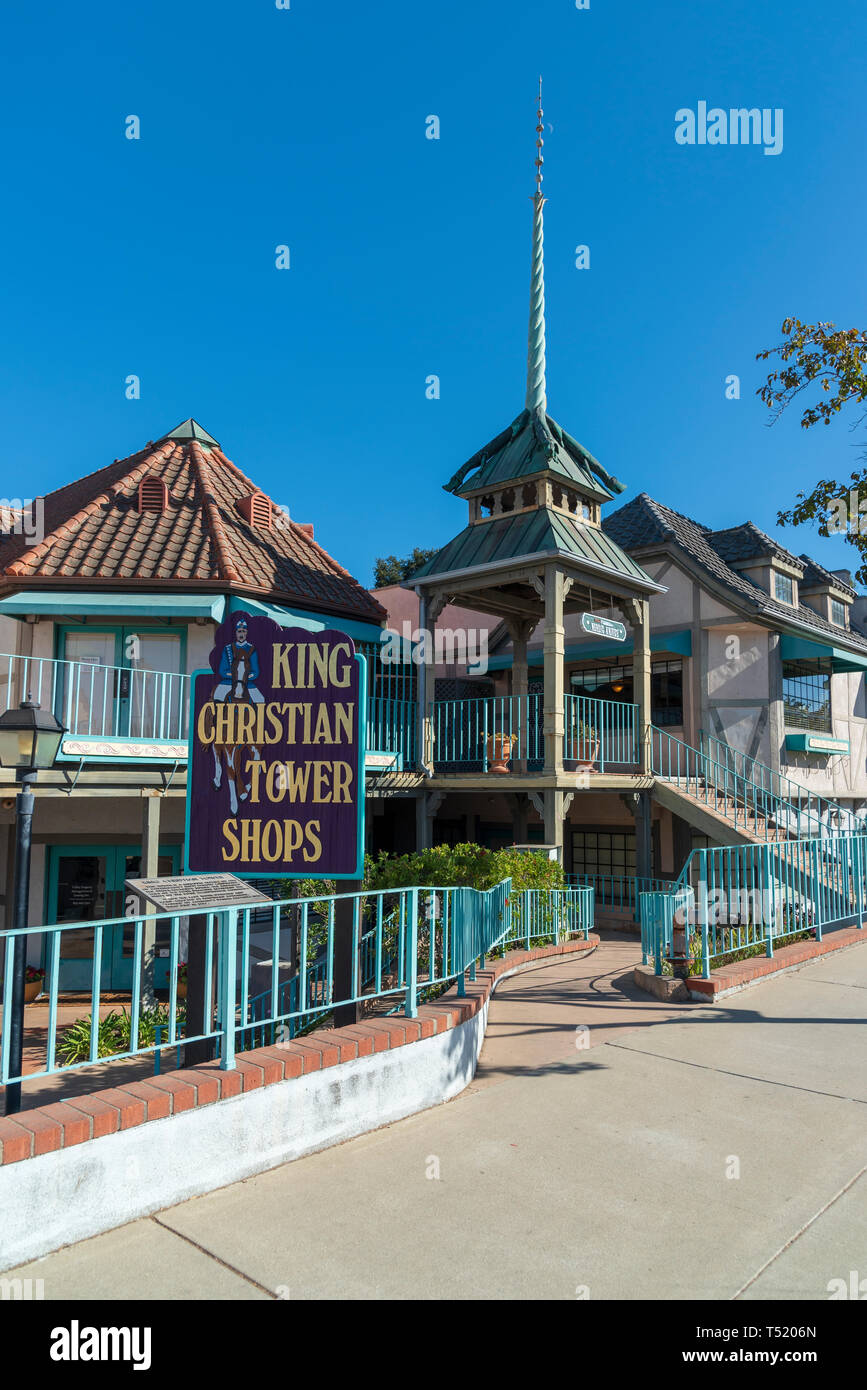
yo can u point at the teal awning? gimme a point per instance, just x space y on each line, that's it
794 648
678 642
314 622
80 603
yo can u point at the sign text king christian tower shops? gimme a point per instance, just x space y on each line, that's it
276 765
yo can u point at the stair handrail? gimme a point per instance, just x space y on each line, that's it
711 779
846 818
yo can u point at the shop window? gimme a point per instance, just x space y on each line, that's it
604 852
807 695
616 683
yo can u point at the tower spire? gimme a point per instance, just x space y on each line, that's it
536 397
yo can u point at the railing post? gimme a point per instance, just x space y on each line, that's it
411 1004
228 986
705 944
858 873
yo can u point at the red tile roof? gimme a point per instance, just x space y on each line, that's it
94 532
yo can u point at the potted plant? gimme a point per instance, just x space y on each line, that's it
499 751
182 980
33 977
585 742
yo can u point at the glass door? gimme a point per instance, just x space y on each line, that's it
86 884
150 687
88 684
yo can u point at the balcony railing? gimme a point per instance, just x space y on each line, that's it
391 728
93 701
120 703
478 735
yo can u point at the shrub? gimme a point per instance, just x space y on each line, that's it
113 1033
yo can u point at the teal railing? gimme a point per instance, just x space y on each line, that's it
480 732
550 915
601 732
801 810
474 734
659 909
737 792
391 728
401 943
618 891
756 897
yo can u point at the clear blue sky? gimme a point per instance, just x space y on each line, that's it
410 256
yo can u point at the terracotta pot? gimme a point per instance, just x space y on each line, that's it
182 989
499 750
587 752
32 988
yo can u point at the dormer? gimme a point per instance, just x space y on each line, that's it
828 593
256 510
760 559
153 495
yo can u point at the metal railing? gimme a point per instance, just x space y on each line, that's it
391 728
401 943
119 702
802 810
541 914
753 898
658 911
474 734
619 891
93 701
601 732
740 797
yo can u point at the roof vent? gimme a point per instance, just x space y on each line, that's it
256 510
306 527
153 495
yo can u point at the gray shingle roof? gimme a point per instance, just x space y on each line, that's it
644 522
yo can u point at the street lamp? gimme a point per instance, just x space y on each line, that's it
29 740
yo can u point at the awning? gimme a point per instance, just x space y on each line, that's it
679 643
794 648
313 622
80 603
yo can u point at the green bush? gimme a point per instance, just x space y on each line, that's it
462 866
113 1033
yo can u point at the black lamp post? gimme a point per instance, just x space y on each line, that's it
29 740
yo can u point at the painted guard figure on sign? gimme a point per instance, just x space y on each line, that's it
239 676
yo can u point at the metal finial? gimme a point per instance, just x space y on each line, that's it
539 140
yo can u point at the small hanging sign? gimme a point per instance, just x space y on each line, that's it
603 627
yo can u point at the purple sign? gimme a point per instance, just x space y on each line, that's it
276 760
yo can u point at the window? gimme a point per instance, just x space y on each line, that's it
604 852
807 694
615 683
784 588
838 612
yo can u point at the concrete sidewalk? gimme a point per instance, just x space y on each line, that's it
611 1146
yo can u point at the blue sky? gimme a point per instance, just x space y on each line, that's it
409 256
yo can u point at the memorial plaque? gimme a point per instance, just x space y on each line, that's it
188 894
